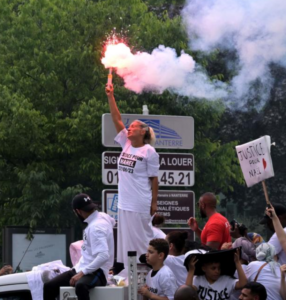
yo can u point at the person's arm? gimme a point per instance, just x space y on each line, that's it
6 270
115 114
144 291
191 273
283 284
153 166
214 235
154 187
242 280
281 235
100 251
226 246
214 245
193 224
100 259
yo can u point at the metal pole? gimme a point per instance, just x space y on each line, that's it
132 275
145 110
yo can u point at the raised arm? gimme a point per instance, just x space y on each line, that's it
242 280
115 114
281 235
191 273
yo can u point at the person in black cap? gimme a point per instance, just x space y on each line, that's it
97 252
280 211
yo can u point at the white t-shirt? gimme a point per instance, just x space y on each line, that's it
163 283
278 249
266 278
135 166
158 233
97 250
221 289
176 264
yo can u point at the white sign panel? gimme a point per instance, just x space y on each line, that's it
44 248
172 132
176 169
255 160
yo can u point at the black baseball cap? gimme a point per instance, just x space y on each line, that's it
83 202
280 209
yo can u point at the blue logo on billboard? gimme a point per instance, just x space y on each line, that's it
162 132
114 204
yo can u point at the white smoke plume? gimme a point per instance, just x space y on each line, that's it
162 70
254 29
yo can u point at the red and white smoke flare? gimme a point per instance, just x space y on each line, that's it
161 70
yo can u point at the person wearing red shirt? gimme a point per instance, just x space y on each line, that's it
217 229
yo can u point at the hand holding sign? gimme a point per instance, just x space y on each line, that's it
270 212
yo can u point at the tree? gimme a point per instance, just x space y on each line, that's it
52 98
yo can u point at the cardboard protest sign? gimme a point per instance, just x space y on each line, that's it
255 160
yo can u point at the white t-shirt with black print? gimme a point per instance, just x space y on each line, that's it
135 166
163 283
219 290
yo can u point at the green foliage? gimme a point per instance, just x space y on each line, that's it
52 98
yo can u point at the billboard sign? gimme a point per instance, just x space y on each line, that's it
172 132
176 169
176 206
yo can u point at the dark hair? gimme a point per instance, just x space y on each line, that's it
177 238
160 245
186 292
158 220
257 289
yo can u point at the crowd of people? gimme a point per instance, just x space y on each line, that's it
227 263
218 268
254 262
